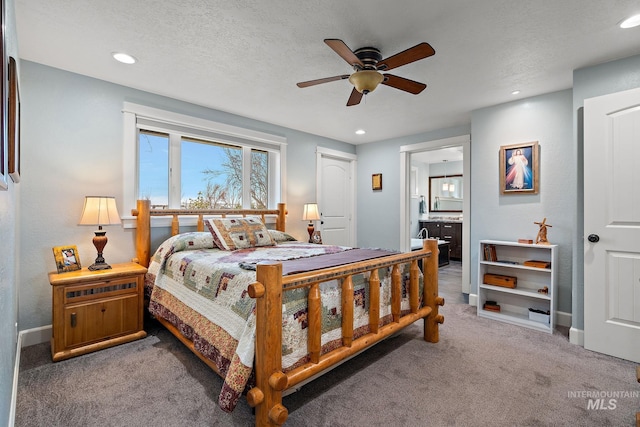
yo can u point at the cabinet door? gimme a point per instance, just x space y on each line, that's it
452 232
434 229
100 320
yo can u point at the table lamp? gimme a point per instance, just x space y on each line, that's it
99 210
310 214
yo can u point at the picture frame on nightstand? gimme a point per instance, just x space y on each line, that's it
67 258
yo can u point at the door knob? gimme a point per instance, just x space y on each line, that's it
593 238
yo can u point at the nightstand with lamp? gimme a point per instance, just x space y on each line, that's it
99 306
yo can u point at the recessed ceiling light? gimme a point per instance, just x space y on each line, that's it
631 22
360 132
515 92
124 58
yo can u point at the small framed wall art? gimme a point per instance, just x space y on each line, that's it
519 168
14 122
376 181
67 258
4 147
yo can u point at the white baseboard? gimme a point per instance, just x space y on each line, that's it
25 339
473 299
576 336
36 335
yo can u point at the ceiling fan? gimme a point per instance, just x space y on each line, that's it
367 63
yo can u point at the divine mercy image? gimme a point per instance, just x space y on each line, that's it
518 165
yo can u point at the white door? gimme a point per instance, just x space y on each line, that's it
612 224
335 200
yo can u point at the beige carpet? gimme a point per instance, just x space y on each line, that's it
481 373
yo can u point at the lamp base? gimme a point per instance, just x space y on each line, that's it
310 229
99 266
99 241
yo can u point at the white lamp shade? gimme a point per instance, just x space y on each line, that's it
310 212
99 210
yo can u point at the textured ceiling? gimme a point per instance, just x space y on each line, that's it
245 57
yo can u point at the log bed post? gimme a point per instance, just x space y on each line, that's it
143 232
431 298
266 396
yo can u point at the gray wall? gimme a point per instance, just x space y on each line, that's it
546 119
378 211
590 82
72 147
9 229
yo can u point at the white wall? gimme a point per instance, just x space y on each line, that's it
73 147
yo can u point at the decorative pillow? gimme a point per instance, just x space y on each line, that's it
230 234
281 236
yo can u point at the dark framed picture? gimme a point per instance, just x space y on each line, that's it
3 103
519 168
14 122
67 258
376 181
316 237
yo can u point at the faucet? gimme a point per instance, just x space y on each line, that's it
426 233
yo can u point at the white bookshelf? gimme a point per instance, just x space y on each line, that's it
515 303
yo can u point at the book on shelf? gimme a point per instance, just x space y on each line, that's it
490 253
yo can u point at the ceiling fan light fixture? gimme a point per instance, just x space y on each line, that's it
366 81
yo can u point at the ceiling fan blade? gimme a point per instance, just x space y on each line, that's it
343 50
419 51
403 84
354 98
320 81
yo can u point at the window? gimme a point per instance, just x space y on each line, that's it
182 161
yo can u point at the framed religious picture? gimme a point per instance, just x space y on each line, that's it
519 168
376 181
67 258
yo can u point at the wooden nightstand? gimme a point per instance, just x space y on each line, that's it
93 310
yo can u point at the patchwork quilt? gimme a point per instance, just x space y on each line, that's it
202 290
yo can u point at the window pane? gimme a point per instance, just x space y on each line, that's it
153 178
259 179
211 175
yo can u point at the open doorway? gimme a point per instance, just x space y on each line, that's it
426 204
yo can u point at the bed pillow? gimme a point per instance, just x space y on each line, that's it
230 234
281 236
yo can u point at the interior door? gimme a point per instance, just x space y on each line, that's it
335 200
612 224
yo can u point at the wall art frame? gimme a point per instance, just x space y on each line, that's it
376 182
519 168
4 166
13 139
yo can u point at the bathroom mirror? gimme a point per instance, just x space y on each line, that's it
445 193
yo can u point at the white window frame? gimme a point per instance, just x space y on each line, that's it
137 116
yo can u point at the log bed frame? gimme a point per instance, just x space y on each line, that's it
271 382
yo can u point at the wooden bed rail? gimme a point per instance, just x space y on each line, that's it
271 381
143 212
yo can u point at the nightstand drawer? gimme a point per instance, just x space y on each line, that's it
105 289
